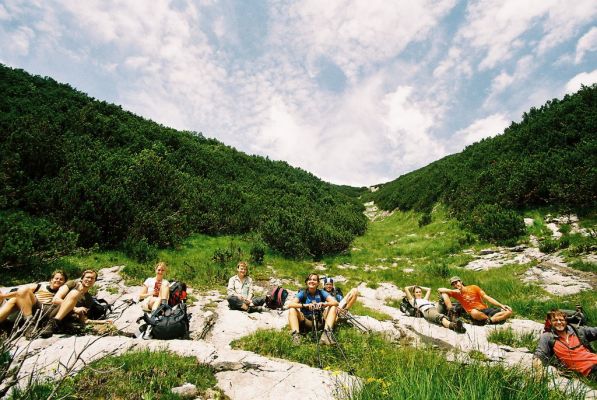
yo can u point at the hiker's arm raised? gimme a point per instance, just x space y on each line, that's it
447 291
409 295
493 301
428 293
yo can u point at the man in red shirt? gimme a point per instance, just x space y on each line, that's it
472 299
567 347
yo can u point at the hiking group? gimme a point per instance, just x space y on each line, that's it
60 304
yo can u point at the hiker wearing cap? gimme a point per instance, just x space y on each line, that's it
155 290
344 302
414 295
312 306
564 346
472 299
240 291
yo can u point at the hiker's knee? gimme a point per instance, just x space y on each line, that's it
478 315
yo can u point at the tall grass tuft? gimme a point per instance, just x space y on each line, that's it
392 372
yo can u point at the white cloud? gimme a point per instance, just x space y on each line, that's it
356 34
584 78
586 44
490 126
564 19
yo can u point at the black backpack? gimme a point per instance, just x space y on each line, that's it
169 322
99 308
408 309
276 297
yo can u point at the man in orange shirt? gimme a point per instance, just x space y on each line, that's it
565 346
472 299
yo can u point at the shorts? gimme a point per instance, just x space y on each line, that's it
145 303
490 311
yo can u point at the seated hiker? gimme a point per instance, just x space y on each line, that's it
32 297
429 310
471 298
155 290
76 302
564 346
306 308
344 302
240 291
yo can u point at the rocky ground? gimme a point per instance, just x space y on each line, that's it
244 375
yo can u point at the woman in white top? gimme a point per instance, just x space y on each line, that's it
240 291
428 308
155 290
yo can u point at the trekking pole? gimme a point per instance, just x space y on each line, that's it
351 319
339 347
315 317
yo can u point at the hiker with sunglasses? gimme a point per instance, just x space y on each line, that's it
566 347
344 302
472 298
312 306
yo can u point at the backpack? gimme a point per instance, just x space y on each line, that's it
276 297
408 309
99 309
576 318
178 293
169 322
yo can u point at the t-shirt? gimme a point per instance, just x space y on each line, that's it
44 293
337 293
470 297
86 300
422 304
154 286
574 355
305 297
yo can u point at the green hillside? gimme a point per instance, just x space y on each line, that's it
76 172
546 160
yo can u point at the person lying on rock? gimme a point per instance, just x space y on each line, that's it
76 302
155 290
240 291
32 297
414 295
312 305
472 299
344 302
566 347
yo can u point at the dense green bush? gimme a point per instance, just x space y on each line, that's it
424 220
27 240
113 178
140 250
494 224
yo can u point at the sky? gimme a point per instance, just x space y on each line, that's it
357 92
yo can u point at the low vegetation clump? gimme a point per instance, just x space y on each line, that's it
389 371
510 337
136 375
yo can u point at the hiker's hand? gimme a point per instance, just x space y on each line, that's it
80 310
506 307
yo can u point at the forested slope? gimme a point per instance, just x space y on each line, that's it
547 159
76 171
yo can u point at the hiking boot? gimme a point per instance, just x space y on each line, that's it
29 330
457 326
49 329
327 338
296 338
